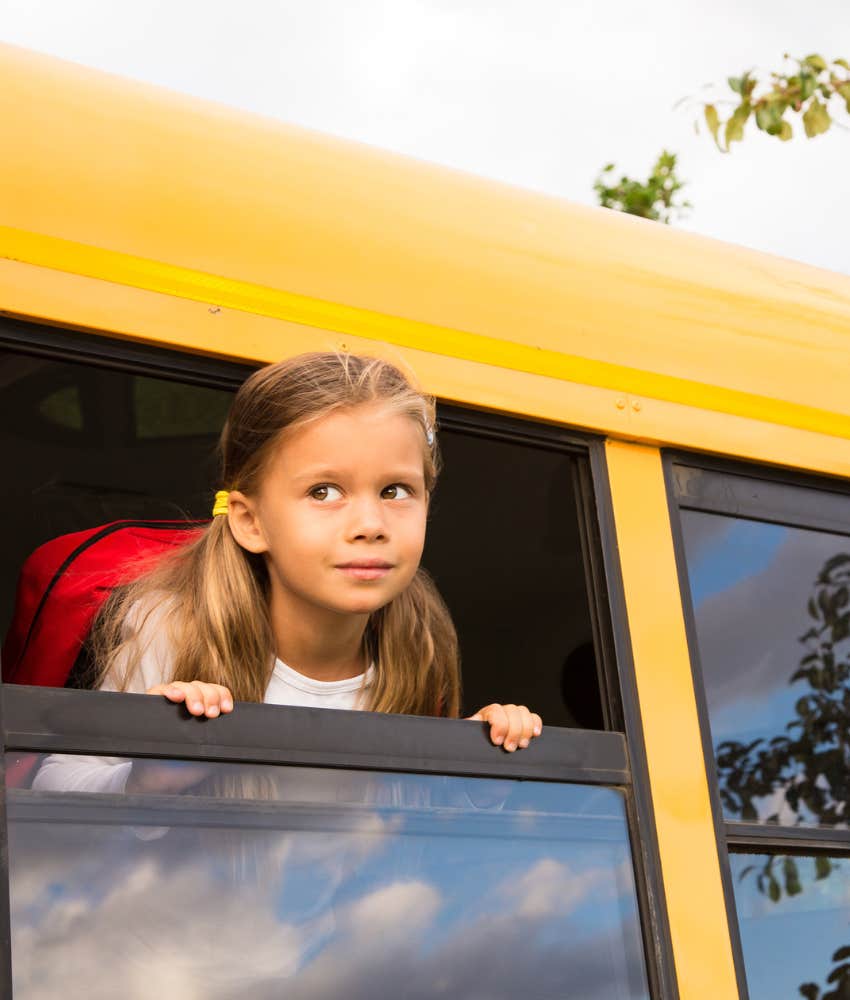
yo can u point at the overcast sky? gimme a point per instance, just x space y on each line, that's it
538 93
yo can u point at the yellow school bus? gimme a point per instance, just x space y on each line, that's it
642 531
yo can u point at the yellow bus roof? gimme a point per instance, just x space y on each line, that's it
151 215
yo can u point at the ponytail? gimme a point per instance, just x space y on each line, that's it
212 595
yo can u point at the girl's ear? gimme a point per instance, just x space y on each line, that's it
244 523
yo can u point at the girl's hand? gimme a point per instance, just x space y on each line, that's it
201 699
511 726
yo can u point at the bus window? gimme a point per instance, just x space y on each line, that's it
768 575
264 880
91 444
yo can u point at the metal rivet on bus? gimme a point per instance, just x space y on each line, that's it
636 406
621 404
215 309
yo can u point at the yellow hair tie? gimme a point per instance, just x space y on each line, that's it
221 505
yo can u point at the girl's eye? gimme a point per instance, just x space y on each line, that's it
325 492
396 492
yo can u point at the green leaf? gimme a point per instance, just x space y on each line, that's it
792 877
817 63
838 974
842 63
769 116
712 120
816 119
735 128
844 90
773 889
810 991
736 83
842 953
808 85
823 866
785 131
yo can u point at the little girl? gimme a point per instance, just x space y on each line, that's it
305 588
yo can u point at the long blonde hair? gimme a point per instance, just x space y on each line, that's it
214 594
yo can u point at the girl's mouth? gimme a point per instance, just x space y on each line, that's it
366 569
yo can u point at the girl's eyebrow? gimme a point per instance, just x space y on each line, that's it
391 474
317 475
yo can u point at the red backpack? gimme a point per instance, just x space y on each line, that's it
61 588
63 585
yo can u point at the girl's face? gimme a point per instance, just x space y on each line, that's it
340 512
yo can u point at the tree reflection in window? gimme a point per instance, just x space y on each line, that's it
807 768
839 977
804 773
793 922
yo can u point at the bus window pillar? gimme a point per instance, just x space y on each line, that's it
687 840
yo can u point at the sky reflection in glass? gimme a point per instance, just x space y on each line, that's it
326 883
791 940
751 584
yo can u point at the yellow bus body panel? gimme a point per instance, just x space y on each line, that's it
690 866
125 183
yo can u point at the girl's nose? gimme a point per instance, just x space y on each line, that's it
368 522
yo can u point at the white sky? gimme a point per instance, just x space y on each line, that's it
539 93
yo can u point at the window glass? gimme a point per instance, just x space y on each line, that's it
172 409
63 408
772 611
268 881
794 916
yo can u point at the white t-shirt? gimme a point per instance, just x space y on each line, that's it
76 773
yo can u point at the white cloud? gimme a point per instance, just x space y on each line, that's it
166 918
155 935
551 887
173 916
392 910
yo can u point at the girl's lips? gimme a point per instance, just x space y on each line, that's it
366 570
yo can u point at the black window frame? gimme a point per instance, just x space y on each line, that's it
794 499
56 720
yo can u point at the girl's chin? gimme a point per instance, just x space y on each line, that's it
364 608
366 604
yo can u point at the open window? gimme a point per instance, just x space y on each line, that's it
323 822
107 438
